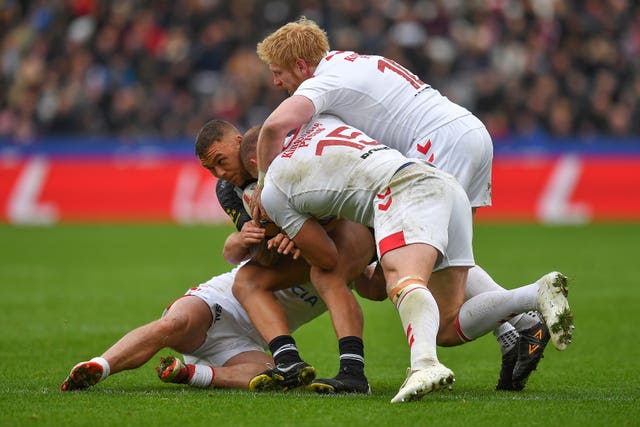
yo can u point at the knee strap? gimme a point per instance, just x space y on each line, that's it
394 293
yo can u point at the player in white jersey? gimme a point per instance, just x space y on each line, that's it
209 326
423 229
394 106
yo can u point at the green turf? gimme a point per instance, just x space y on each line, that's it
69 292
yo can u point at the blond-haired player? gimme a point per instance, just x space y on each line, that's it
394 106
423 229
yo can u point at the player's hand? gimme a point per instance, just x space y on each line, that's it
257 210
252 233
371 283
284 245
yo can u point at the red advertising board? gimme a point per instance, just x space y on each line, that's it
42 190
565 189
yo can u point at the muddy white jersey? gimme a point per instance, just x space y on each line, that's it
380 97
327 170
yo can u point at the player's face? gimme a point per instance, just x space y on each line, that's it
288 79
223 161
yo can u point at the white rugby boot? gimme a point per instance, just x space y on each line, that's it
422 381
554 308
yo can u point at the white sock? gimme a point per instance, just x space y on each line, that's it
488 310
106 369
420 318
202 376
478 282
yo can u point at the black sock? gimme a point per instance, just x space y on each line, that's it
284 350
351 354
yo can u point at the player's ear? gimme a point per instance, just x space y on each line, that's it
302 66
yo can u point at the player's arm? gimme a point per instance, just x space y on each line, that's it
371 283
292 113
316 246
308 235
231 203
249 241
239 245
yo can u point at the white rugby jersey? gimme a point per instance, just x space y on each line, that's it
327 169
380 97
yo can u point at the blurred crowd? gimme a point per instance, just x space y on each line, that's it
162 68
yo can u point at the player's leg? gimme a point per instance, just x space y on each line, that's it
235 373
522 339
473 171
482 313
240 369
183 327
253 287
407 271
370 284
355 246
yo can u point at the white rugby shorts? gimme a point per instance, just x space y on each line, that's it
425 205
231 331
462 148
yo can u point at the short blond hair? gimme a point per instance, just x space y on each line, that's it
302 39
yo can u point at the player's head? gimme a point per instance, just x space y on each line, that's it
293 52
218 149
248 148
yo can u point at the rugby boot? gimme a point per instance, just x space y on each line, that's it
83 376
347 381
173 370
554 308
283 377
422 381
509 359
531 345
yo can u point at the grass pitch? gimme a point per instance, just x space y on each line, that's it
69 292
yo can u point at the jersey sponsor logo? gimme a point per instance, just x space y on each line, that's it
410 337
305 295
217 310
303 140
337 52
353 56
234 215
424 149
373 150
383 206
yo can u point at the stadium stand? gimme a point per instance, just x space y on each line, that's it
160 69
